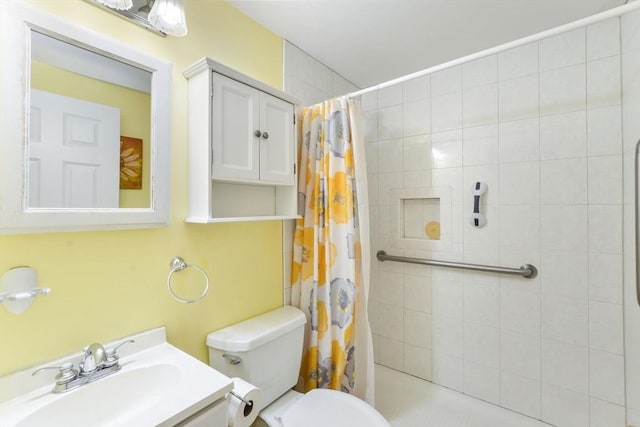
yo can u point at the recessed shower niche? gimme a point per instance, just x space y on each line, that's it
422 218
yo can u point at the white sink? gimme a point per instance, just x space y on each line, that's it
158 385
131 392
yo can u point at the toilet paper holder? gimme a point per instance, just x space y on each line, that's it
248 403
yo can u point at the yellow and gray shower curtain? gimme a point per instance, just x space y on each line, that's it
329 282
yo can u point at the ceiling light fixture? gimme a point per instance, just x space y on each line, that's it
168 16
145 9
117 4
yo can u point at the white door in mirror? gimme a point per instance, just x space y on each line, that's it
78 141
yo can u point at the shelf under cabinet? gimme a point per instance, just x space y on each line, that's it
197 220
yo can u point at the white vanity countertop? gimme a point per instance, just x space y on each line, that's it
157 385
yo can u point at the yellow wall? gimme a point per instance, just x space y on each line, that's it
134 106
110 284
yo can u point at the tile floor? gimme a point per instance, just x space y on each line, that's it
407 401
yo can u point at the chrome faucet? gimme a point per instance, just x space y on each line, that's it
92 360
96 363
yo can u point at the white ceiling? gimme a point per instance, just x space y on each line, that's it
373 41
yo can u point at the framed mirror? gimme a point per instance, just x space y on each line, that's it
85 130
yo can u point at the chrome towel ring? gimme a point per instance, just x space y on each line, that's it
178 264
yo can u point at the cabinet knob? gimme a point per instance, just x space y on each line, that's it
258 133
265 135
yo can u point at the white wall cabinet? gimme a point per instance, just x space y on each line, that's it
253 134
242 147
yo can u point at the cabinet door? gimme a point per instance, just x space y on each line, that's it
211 416
277 145
235 119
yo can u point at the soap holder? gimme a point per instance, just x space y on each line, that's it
18 288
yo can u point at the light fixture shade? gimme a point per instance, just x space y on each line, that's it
117 4
168 17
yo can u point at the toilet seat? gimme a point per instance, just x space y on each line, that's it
322 408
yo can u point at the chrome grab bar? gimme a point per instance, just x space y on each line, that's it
637 212
527 271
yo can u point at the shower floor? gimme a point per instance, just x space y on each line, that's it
407 401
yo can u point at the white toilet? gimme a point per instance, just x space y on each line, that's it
266 351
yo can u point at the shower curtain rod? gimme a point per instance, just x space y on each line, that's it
617 11
527 271
637 215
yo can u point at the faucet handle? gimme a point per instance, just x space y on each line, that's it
112 355
93 358
65 375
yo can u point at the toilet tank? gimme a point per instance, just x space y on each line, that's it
265 350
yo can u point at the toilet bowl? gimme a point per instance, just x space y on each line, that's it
321 408
266 351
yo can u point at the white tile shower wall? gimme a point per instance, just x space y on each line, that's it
630 36
311 82
541 125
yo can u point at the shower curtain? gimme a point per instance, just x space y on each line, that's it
330 273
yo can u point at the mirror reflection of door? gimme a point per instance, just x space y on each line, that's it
74 153
90 78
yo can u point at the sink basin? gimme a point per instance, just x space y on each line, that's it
158 385
129 392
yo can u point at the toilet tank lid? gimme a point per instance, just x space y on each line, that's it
251 333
